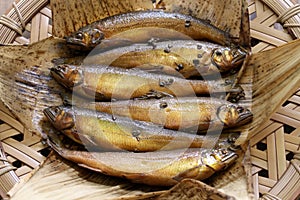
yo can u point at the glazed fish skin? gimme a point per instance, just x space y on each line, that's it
106 82
180 57
164 168
144 25
179 113
101 130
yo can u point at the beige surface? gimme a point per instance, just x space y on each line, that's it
4 5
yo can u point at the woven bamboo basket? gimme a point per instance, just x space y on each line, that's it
274 151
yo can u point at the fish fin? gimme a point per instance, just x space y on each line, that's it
58 61
151 68
92 94
108 44
235 94
190 173
90 168
55 142
73 99
153 94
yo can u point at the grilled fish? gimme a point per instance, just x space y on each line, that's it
180 57
104 131
106 82
141 26
163 168
179 113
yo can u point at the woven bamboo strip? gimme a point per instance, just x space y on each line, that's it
21 156
7 180
272 168
281 6
11 121
8 133
280 152
28 8
266 182
23 170
4 127
292 176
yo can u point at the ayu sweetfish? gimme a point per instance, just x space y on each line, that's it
187 58
102 82
103 131
164 168
141 26
185 113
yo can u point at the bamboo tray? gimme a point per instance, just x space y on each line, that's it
275 164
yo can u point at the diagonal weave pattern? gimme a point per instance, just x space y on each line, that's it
278 141
272 151
275 146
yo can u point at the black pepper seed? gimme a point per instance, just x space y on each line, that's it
166 83
161 83
199 46
187 23
179 67
167 50
136 134
196 62
199 56
163 105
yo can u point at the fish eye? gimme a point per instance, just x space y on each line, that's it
97 35
62 68
240 109
56 110
218 52
79 36
224 151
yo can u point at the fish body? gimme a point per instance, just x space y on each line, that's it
182 113
141 26
106 82
104 131
163 168
187 58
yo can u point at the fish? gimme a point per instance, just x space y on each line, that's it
98 130
141 26
183 58
160 168
102 82
182 113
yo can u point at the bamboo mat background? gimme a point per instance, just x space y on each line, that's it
274 151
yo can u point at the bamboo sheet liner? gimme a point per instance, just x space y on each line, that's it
275 170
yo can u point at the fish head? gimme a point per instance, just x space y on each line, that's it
67 75
87 37
228 58
59 117
234 115
218 158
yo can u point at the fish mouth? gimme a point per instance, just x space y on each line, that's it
50 114
239 57
245 117
75 41
54 71
229 159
